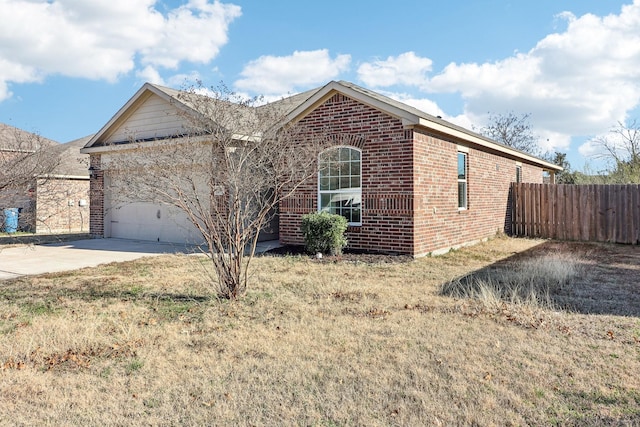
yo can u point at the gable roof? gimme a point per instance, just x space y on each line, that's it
411 117
191 103
72 163
284 106
167 94
295 107
15 139
66 160
62 160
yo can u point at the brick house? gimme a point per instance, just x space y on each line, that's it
62 197
408 182
54 199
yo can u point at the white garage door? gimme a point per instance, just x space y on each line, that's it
132 219
158 223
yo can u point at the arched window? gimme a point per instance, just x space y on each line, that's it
340 183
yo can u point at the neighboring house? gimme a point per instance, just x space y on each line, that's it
22 156
62 196
51 182
408 182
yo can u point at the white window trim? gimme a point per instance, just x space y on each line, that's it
343 191
465 180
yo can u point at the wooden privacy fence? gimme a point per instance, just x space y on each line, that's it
601 213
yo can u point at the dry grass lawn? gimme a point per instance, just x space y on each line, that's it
331 343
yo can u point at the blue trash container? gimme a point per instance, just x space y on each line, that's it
11 220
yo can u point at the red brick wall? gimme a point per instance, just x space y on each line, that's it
387 187
96 194
409 184
439 223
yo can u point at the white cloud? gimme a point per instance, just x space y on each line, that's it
462 120
466 120
576 82
404 69
104 39
18 73
181 80
590 148
193 32
270 75
184 80
423 104
553 141
151 75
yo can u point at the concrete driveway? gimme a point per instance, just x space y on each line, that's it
37 259
24 260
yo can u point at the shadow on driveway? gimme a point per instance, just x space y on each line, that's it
126 246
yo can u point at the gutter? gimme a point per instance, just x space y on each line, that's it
487 144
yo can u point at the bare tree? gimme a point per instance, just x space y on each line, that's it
512 130
234 163
24 158
621 148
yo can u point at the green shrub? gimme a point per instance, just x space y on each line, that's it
324 232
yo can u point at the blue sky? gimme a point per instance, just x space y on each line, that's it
66 66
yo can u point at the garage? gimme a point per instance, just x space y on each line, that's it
146 221
137 147
128 218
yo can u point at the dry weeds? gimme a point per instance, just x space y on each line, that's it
323 344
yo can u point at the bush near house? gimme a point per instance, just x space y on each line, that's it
324 232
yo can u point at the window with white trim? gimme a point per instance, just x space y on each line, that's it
462 181
340 183
518 173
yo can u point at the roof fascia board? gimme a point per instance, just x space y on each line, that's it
13 150
487 144
310 104
392 110
131 146
335 87
111 148
73 177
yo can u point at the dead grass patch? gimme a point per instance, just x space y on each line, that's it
519 290
332 343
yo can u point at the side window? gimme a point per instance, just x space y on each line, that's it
518 173
462 181
340 183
